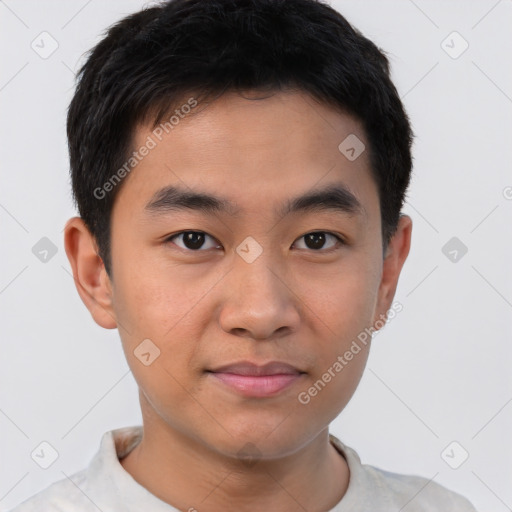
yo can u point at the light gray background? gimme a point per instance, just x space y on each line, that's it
439 372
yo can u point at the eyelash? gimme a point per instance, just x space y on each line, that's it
339 239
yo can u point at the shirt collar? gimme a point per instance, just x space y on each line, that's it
111 487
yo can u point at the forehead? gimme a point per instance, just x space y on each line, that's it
255 150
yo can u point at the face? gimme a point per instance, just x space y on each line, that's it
251 275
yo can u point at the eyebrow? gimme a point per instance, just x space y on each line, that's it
335 198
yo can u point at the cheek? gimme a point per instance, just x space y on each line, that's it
151 300
156 309
344 299
341 345
166 306
341 309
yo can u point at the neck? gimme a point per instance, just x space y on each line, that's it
189 475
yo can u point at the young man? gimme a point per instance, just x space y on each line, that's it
239 168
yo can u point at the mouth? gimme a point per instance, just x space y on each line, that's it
251 380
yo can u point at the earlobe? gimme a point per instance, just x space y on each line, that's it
396 254
89 274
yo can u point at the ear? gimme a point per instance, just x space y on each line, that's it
394 259
91 278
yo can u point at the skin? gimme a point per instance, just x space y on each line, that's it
210 307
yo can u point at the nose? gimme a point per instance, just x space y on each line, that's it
260 302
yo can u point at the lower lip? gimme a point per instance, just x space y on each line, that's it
254 386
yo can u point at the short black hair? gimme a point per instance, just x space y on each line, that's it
150 60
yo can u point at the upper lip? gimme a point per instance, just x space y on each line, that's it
252 369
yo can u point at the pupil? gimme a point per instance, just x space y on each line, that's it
317 240
193 240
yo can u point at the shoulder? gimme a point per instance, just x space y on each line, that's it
417 494
61 496
379 490
101 486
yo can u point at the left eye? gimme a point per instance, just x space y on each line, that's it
194 240
317 239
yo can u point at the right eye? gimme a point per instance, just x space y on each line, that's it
191 240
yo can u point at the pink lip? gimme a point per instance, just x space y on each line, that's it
252 380
262 386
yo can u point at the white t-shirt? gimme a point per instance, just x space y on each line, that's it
105 486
